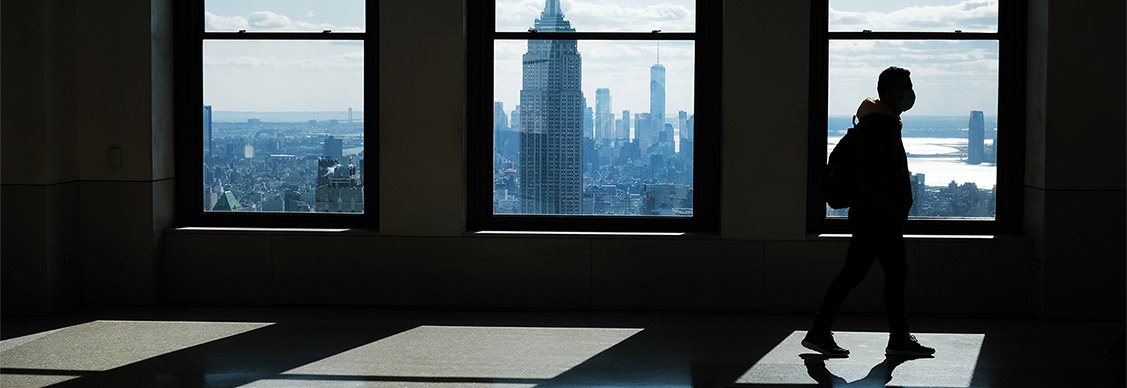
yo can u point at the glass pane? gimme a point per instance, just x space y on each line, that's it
597 16
593 127
283 126
950 134
283 15
914 15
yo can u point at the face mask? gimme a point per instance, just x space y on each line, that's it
907 100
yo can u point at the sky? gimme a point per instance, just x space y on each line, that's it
274 76
951 78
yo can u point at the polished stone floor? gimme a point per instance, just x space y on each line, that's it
324 347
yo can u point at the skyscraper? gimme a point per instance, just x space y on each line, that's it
500 123
338 187
350 115
334 148
551 120
604 120
500 120
657 98
625 132
976 134
209 145
682 124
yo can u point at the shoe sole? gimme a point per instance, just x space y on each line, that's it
893 352
819 349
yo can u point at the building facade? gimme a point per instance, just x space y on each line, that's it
551 120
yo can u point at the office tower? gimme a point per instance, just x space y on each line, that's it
210 197
208 145
692 126
588 120
500 123
515 122
334 148
500 120
350 115
994 148
227 202
682 123
626 133
338 187
657 96
292 202
604 120
644 131
551 121
976 138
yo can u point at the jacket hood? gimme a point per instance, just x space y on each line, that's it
873 105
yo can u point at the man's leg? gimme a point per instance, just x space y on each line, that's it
894 262
858 261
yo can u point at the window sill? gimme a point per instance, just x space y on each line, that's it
932 237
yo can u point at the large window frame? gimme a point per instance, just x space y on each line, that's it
1011 105
189 37
482 33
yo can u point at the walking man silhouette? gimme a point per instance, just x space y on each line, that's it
876 217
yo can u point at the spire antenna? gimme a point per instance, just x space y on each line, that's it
659 53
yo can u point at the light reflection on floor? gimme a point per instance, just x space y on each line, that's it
56 356
458 356
953 365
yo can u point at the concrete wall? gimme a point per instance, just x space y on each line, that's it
762 259
76 229
1076 164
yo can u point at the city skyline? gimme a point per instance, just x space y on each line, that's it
943 73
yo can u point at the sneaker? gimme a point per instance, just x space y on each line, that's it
824 343
907 346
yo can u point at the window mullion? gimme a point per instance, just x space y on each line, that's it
283 36
838 35
594 36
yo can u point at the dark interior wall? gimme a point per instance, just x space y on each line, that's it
1076 164
81 79
762 259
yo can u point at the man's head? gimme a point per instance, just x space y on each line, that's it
895 88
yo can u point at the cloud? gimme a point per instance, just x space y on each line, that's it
519 15
310 14
269 21
213 22
967 15
347 61
266 20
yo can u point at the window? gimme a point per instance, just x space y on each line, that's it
593 115
282 89
964 136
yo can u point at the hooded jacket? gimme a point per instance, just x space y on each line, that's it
884 187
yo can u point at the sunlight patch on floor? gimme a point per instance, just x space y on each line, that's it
458 356
55 356
953 365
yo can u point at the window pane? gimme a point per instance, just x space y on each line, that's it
283 15
593 127
283 126
914 15
951 132
595 15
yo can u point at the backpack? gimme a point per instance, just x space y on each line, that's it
840 180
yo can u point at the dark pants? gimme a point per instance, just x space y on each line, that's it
874 238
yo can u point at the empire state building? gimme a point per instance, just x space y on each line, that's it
551 120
